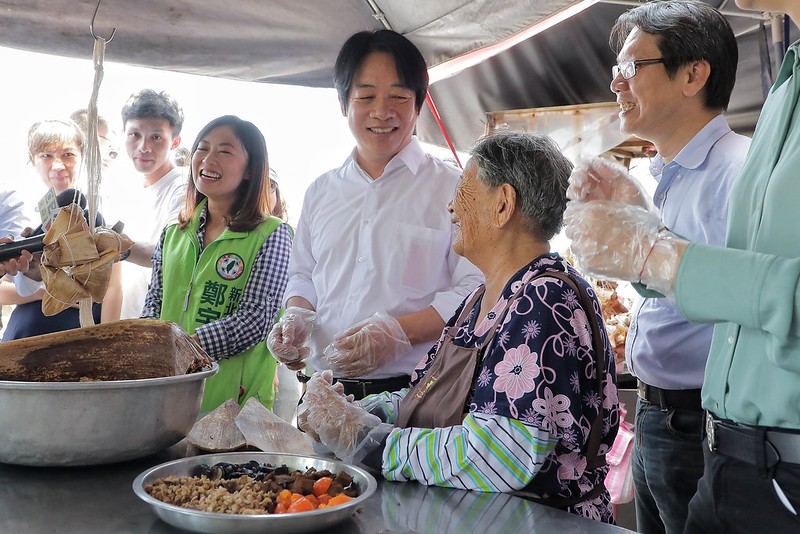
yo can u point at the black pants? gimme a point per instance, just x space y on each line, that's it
735 496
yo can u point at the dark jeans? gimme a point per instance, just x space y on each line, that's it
735 496
667 463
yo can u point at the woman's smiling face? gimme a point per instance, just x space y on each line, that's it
218 164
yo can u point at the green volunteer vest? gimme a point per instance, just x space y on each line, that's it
200 288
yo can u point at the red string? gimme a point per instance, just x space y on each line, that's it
438 119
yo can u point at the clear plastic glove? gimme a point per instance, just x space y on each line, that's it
302 410
367 346
612 240
599 178
348 430
287 338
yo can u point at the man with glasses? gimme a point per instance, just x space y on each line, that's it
676 67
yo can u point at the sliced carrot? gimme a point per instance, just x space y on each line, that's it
340 498
313 500
280 508
321 485
324 498
284 497
301 505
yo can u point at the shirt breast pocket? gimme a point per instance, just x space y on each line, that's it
423 265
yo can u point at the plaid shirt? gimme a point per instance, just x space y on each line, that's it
261 300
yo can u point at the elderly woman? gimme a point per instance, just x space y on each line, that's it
519 394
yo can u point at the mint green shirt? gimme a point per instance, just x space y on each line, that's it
751 289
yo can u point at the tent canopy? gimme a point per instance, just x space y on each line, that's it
296 41
275 41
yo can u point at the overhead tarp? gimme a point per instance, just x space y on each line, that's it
296 41
276 41
571 64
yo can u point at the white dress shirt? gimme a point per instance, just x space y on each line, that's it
365 245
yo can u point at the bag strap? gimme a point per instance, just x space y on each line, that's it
593 459
495 327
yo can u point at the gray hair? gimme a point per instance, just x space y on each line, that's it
537 170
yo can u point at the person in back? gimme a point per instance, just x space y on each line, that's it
55 149
152 123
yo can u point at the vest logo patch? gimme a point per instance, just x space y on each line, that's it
230 266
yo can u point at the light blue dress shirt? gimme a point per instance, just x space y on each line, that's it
663 348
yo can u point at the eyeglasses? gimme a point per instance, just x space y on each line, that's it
273 185
628 68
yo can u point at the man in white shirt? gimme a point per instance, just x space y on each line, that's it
372 271
152 123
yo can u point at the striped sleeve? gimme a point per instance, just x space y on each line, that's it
487 453
384 405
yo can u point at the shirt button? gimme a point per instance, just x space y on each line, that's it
730 340
661 196
360 258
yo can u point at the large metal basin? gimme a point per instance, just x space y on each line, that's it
89 423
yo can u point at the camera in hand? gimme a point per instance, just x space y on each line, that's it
33 243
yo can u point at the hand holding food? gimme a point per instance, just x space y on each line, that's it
287 338
599 178
612 240
348 430
302 411
367 346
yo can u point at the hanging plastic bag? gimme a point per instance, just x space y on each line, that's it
619 481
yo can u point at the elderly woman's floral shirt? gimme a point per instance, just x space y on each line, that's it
535 397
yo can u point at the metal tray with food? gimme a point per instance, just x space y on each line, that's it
240 523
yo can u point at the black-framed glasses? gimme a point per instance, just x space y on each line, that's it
628 68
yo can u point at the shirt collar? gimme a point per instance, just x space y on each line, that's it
411 156
696 151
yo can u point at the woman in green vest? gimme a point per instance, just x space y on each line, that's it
220 272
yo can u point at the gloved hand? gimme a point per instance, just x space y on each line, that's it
348 430
302 410
598 178
288 336
367 346
612 240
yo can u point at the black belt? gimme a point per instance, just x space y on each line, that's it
756 445
684 399
361 388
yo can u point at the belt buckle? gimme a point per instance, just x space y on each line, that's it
711 438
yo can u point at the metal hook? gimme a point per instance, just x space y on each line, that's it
91 25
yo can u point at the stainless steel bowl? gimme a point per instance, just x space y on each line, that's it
212 523
89 423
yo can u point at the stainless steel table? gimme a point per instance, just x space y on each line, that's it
90 500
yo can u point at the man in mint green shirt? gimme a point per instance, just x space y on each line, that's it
750 289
